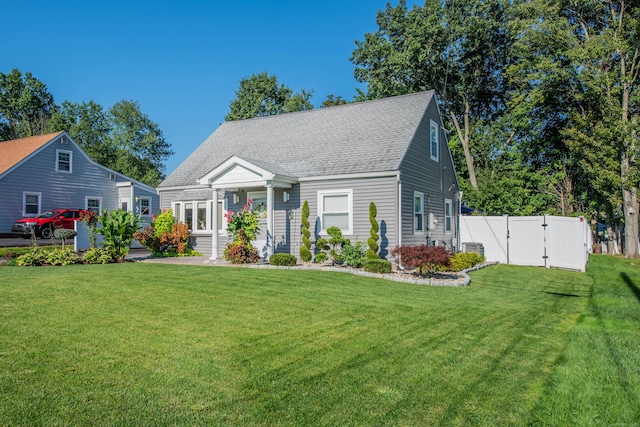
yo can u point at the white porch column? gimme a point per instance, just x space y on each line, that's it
214 226
269 218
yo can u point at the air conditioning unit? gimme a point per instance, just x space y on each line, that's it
473 247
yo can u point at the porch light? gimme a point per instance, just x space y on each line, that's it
285 196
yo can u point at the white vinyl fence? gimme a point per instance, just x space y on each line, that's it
544 241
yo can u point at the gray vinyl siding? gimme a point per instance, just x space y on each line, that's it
435 179
60 189
382 191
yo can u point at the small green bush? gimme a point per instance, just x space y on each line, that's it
97 256
283 259
321 257
62 256
37 256
464 260
382 266
354 255
305 249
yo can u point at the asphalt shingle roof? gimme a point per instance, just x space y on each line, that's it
363 137
16 150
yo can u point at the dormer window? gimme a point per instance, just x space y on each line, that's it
64 159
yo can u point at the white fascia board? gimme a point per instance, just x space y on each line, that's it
350 176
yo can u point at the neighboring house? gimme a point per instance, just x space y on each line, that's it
390 151
51 171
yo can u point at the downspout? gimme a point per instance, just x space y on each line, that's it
132 199
399 210
459 245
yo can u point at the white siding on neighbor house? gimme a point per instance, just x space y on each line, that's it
419 172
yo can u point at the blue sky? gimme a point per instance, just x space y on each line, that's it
183 60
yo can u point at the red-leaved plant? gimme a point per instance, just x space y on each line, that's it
427 259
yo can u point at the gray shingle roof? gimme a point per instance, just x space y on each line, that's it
363 137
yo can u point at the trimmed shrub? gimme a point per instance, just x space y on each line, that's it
381 266
321 257
372 252
464 260
427 259
97 256
283 259
305 249
333 246
163 223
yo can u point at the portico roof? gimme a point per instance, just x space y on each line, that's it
237 172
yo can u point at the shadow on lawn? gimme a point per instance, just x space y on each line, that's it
631 285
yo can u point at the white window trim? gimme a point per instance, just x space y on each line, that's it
413 210
99 199
179 211
349 194
70 153
139 206
24 203
450 203
434 156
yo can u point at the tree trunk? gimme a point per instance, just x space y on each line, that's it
464 140
630 204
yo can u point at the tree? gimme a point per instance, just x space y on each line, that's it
459 48
260 95
25 106
372 252
333 100
140 147
88 124
585 54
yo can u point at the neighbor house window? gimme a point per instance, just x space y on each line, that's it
93 204
433 140
418 212
448 215
198 215
144 206
63 162
31 203
335 209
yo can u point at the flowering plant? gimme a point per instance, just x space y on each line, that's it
247 220
91 220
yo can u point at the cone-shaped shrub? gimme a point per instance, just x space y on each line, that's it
305 250
372 252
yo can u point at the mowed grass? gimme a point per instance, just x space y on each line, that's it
149 344
597 380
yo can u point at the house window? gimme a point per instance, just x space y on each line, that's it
199 214
335 209
418 212
448 215
259 199
93 204
188 214
31 203
433 139
144 206
63 161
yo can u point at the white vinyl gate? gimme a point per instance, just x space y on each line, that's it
544 241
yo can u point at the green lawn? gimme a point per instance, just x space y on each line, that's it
149 344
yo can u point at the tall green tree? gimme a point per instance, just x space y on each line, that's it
121 138
578 80
139 144
25 105
261 95
460 48
88 124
